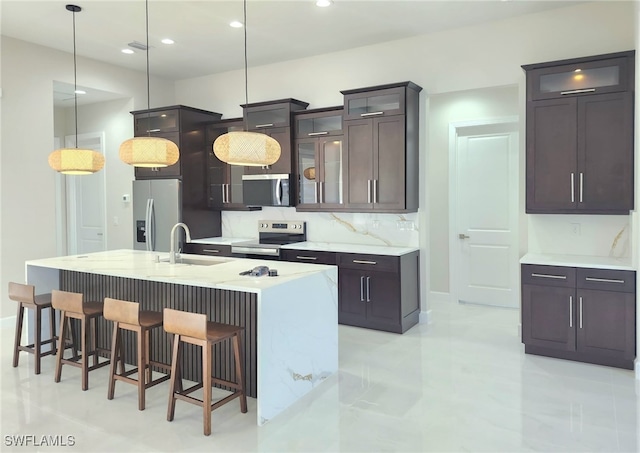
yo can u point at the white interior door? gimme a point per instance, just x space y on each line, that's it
85 202
485 208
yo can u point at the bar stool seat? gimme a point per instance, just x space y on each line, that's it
26 298
194 328
72 306
128 316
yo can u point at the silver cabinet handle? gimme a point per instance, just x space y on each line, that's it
463 236
362 289
321 191
585 90
580 298
211 250
315 191
581 185
559 277
368 289
368 191
570 311
228 192
153 130
224 193
311 134
604 280
309 258
365 262
371 114
264 125
573 197
375 190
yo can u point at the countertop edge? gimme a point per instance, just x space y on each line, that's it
584 261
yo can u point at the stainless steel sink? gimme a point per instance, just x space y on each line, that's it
194 261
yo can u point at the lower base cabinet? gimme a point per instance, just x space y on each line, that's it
374 291
378 292
207 249
579 314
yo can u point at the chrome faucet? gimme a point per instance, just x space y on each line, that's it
172 252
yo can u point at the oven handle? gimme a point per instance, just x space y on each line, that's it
255 251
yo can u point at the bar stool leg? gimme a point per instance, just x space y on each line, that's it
94 340
85 356
149 371
16 346
141 367
237 352
115 357
64 322
52 326
38 340
175 370
206 381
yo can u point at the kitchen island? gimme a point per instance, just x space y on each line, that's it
290 321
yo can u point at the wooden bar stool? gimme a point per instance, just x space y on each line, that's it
194 328
26 297
72 306
127 315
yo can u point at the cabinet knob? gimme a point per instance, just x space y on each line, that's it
463 236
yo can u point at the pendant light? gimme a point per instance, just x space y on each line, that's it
242 147
149 151
75 161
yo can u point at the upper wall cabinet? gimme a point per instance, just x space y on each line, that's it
274 118
580 135
319 157
185 126
381 139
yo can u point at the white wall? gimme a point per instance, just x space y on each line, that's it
27 183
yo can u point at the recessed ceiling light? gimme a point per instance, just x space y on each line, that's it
127 51
324 3
236 24
167 41
80 92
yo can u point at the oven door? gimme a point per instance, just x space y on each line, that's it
255 253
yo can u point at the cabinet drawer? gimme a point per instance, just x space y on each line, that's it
369 262
208 249
535 274
607 280
308 256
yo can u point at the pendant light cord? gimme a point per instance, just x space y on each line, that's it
75 77
146 3
246 71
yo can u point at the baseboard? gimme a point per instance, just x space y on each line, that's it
437 296
8 322
425 317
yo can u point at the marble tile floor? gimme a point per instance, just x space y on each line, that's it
460 383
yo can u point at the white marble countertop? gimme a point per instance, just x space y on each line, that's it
222 274
596 262
221 240
350 248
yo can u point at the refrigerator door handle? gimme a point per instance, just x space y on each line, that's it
147 226
152 226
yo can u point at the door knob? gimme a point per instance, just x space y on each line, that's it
463 236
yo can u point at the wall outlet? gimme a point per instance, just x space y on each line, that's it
575 229
126 198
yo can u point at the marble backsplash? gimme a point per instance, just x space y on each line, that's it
348 227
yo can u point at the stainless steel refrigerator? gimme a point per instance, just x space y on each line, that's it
157 207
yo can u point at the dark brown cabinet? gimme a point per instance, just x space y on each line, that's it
381 138
580 136
579 314
224 180
319 157
378 291
185 126
274 118
308 256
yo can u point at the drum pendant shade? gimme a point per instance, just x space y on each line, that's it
149 152
247 148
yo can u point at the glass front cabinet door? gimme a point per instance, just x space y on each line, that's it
320 173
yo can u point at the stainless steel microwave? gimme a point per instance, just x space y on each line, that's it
266 190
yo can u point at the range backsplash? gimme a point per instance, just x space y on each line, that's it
339 227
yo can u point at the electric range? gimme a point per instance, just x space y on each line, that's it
272 234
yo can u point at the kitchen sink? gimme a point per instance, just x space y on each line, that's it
194 261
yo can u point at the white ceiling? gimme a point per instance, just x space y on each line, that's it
206 44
